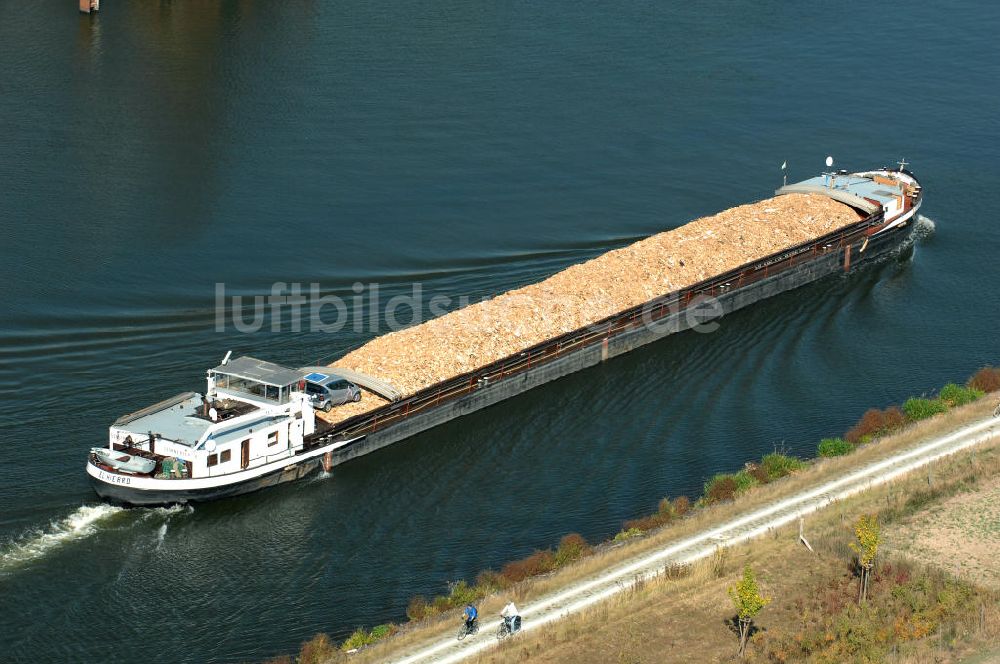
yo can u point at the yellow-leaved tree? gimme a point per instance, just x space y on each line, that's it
748 601
868 536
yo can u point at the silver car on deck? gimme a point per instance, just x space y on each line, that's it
328 390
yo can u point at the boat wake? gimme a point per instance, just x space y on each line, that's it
924 228
166 513
33 545
160 535
82 523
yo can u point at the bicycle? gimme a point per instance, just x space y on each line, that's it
467 630
504 629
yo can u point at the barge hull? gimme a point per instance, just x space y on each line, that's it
123 494
837 261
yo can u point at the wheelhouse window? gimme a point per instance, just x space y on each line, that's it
213 459
248 386
225 456
257 389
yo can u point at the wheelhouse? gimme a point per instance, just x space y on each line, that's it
252 414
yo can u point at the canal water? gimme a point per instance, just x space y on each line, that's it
158 149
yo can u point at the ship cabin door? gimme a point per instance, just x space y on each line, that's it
245 454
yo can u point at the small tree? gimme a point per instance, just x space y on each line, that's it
748 602
866 530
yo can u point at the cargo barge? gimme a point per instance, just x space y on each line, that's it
255 425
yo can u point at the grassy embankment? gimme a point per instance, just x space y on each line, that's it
574 559
915 612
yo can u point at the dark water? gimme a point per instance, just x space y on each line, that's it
157 149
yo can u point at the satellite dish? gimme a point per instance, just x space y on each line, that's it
829 162
210 446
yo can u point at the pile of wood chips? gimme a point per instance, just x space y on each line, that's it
469 338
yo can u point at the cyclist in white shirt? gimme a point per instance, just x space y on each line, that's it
511 617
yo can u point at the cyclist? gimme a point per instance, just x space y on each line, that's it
511 617
470 614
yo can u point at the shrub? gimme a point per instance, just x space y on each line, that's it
893 418
986 379
920 409
571 547
489 581
418 608
719 488
627 534
777 465
667 510
461 593
356 640
440 604
316 650
875 423
831 447
645 523
537 563
382 631
956 395
744 482
360 638
758 472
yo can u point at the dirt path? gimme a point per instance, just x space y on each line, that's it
586 593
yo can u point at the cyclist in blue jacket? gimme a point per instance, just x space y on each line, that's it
470 615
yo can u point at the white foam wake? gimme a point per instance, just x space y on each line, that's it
163 512
34 545
161 534
925 226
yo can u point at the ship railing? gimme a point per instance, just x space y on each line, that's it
602 330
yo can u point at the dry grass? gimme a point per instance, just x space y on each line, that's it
688 615
960 535
609 556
